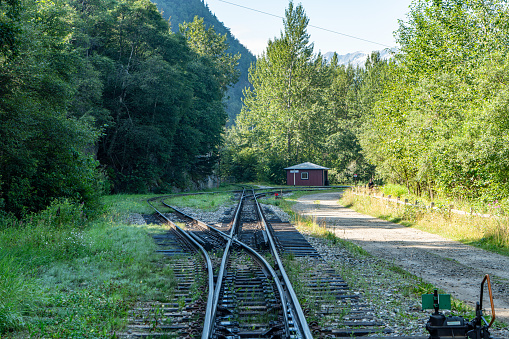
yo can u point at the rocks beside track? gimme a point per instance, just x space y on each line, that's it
385 292
135 219
277 211
222 214
391 292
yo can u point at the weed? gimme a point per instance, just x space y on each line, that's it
423 287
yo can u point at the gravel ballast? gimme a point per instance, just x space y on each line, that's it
383 281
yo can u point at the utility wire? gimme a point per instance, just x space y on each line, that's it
317 27
251 9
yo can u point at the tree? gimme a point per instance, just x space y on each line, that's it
160 103
206 43
429 129
297 107
43 150
276 106
179 12
10 27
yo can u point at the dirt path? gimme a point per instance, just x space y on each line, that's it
454 267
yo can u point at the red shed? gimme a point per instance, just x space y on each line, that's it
307 174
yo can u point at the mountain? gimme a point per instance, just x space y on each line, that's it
358 59
178 11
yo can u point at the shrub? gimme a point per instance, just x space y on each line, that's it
394 190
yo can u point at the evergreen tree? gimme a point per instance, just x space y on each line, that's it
296 110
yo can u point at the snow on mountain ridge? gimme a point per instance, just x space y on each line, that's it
356 58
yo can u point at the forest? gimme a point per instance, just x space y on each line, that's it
433 118
104 96
100 96
180 11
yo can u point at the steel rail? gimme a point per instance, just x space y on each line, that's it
209 326
294 301
266 267
210 271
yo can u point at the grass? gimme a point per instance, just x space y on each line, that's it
479 206
208 202
491 234
63 276
120 204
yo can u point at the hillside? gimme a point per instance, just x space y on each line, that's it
178 11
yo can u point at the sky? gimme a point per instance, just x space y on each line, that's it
373 20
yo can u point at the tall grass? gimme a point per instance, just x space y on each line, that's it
16 290
488 233
63 276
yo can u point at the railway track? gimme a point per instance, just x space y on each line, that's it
264 281
253 295
181 318
194 286
250 299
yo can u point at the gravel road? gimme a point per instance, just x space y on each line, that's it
454 267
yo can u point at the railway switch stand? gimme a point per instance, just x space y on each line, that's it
441 327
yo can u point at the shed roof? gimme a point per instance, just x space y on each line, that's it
307 166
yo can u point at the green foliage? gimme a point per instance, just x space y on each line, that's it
103 89
120 204
239 164
439 125
394 190
64 277
296 111
62 214
179 12
206 43
44 151
208 202
158 100
9 27
16 289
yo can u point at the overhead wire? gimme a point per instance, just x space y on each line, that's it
317 27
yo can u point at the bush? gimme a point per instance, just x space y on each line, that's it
395 190
62 213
